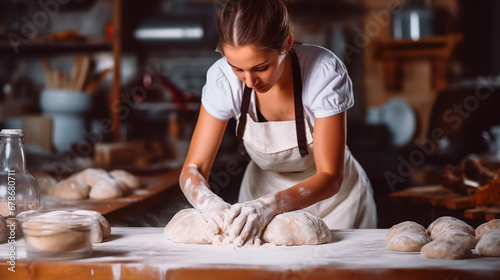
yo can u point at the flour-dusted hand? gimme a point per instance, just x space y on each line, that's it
212 207
244 222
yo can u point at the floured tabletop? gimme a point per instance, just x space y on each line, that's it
143 253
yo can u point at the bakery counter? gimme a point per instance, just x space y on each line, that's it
143 253
153 191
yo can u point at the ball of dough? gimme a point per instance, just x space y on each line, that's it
484 229
444 224
70 189
407 241
131 181
445 249
106 190
461 237
101 230
407 226
297 227
489 245
45 181
3 228
91 176
186 227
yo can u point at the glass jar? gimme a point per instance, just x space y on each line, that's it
18 189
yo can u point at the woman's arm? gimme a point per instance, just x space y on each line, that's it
193 180
329 149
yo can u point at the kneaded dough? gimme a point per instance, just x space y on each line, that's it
407 226
489 245
461 237
444 224
106 190
408 241
486 228
70 189
445 249
101 230
296 228
3 228
185 227
291 228
131 181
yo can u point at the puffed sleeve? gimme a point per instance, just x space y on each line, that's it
216 94
331 91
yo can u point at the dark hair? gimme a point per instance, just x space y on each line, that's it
265 23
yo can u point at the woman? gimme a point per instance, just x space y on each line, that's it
290 102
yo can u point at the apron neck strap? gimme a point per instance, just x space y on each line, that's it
299 109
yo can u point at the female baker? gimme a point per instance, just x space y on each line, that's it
290 102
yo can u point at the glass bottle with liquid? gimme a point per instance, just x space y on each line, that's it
18 189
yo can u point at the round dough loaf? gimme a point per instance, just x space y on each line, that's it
444 224
3 228
186 227
106 190
291 228
296 228
131 181
91 176
445 249
407 226
45 181
407 241
489 245
461 237
486 228
70 189
101 230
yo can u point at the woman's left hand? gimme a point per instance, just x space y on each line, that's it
244 222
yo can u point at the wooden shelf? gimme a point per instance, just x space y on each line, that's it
41 48
437 49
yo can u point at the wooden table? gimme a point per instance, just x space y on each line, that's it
143 253
154 189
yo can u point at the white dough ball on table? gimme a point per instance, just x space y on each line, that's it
445 249
70 189
407 241
484 229
101 230
489 245
186 227
407 226
129 179
91 176
106 190
444 224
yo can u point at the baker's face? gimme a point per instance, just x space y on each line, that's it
259 69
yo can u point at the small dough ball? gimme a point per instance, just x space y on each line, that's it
461 237
45 181
101 230
445 249
407 241
186 227
408 226
106 190
441 225
489 245
486 228
297 227
3 228
91 176
70 189
130 180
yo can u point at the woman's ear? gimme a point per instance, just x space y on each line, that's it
289 42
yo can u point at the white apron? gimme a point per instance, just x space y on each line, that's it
277 165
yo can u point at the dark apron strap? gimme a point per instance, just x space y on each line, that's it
299 111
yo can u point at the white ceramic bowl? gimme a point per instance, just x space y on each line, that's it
63 101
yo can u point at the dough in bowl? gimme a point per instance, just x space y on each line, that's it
101 230
445 249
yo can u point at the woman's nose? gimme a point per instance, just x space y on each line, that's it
250 79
